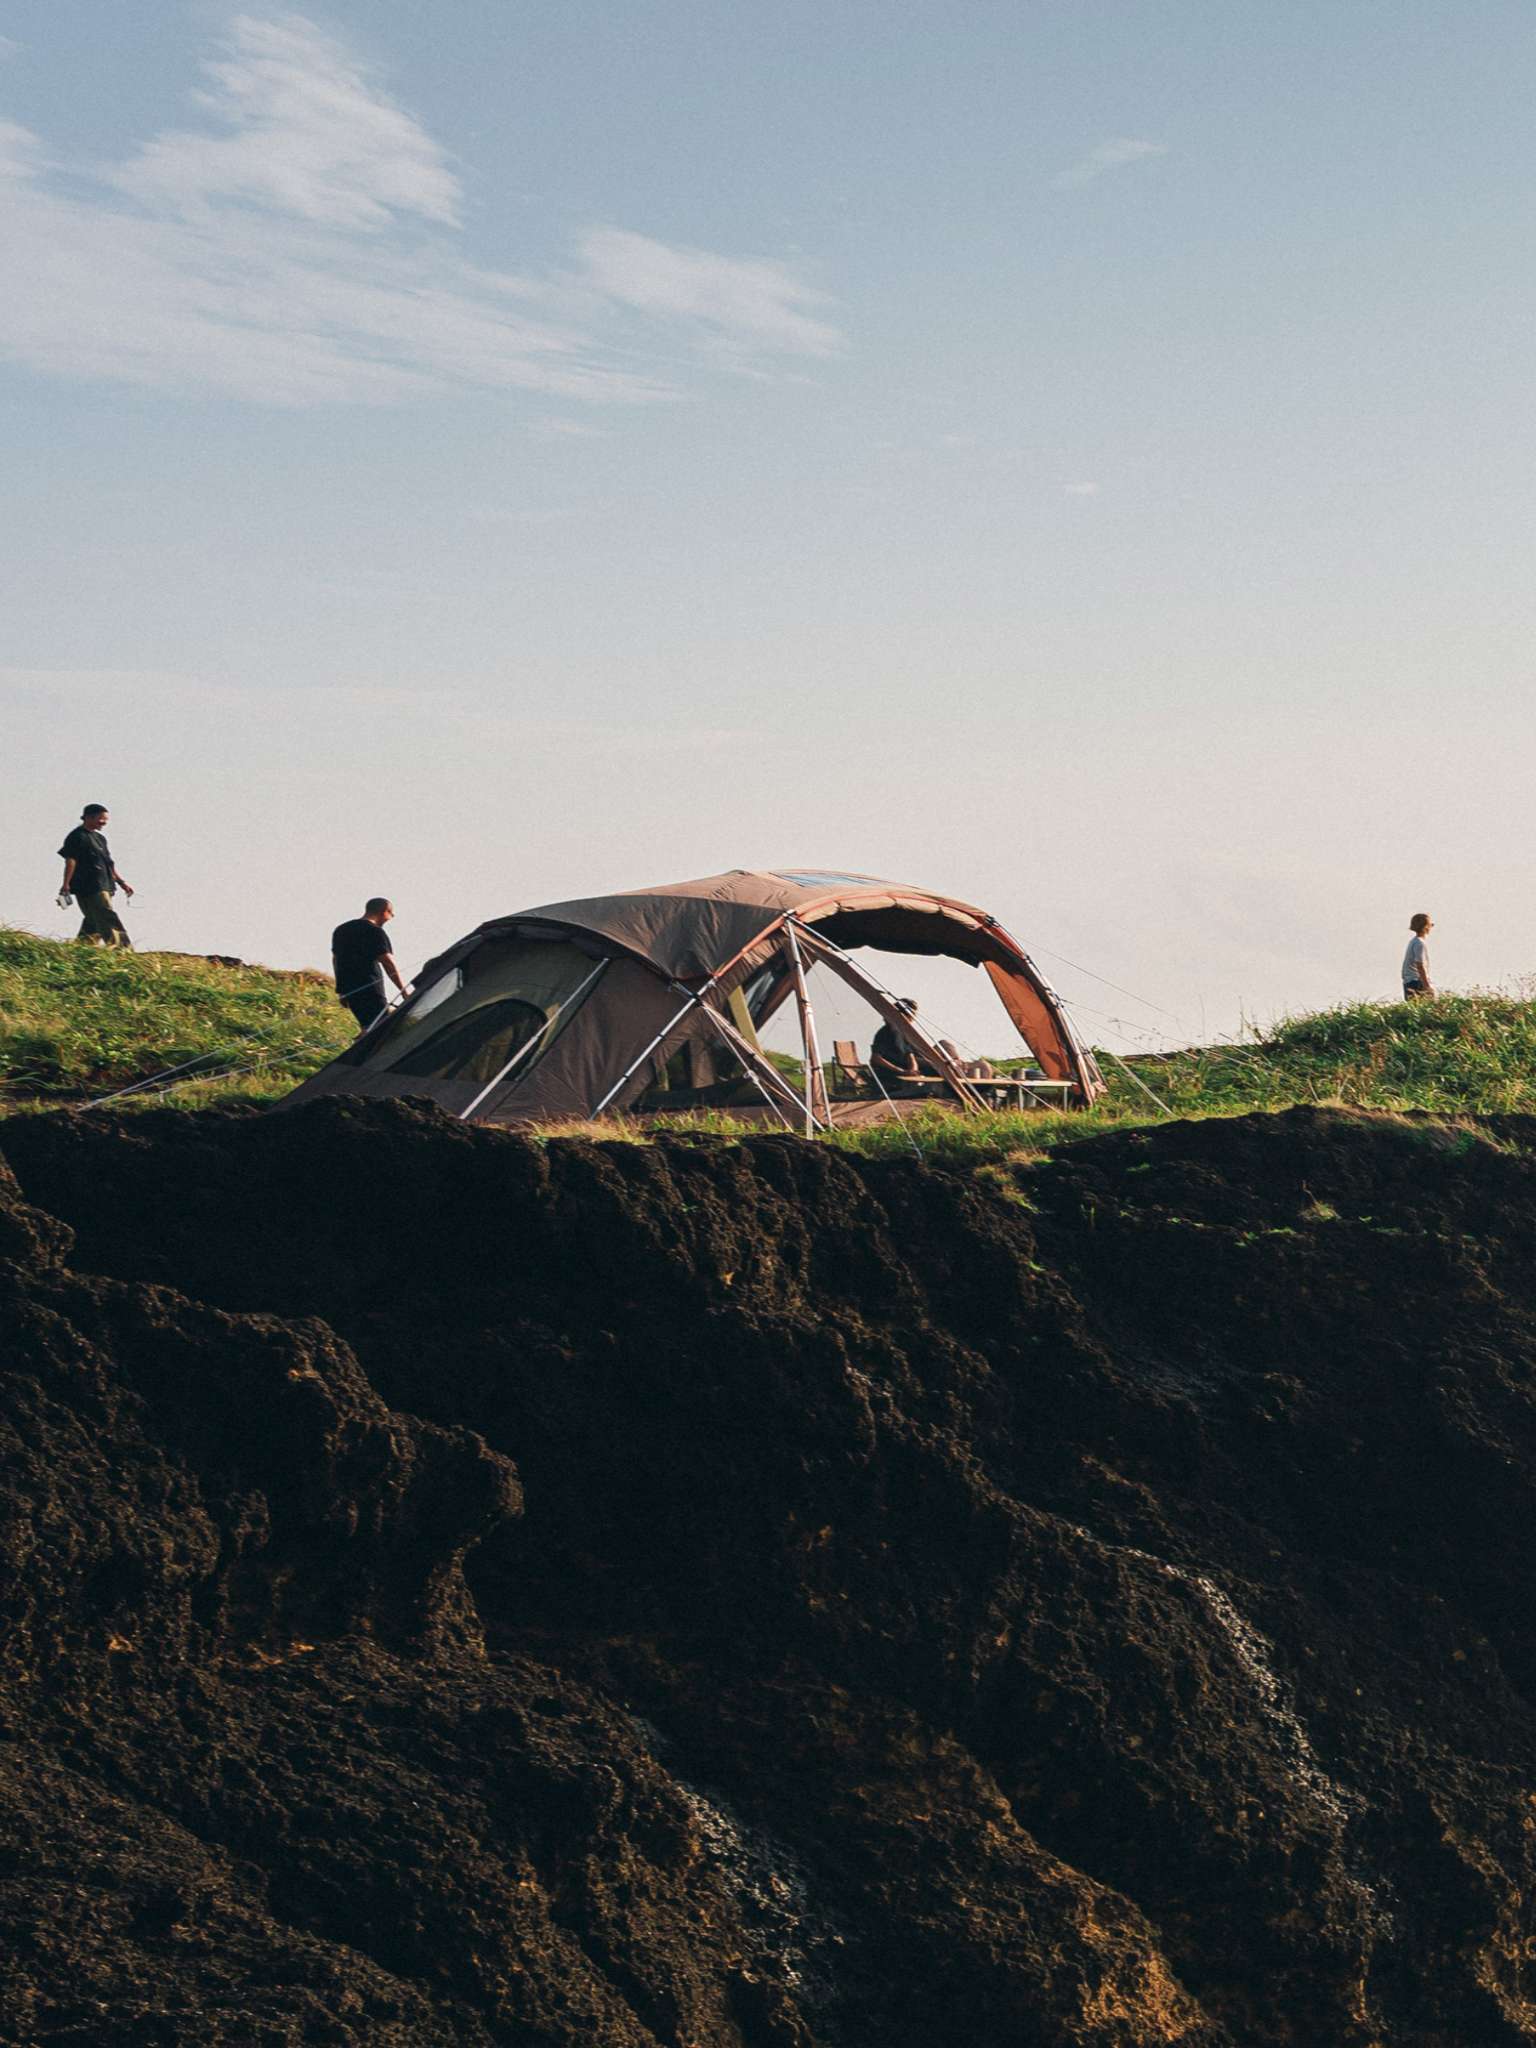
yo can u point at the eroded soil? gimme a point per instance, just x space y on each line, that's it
744 1597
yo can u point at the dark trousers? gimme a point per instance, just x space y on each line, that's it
365 1004
100 924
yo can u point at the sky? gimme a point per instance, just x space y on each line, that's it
1076 456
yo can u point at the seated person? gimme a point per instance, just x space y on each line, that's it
899 1067
973 1070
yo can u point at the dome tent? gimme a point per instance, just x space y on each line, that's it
653 999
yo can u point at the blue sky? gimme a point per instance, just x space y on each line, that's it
1077 456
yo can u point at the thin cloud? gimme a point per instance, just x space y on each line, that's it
752 304
303 247
567 430
1113 155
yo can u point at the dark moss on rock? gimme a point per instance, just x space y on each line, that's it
734 1596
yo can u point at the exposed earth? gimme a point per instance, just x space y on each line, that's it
710 1595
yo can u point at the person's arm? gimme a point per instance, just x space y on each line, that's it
126 887
1424 980
387 962
69 877
904 1067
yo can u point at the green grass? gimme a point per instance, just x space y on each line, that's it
79 1021
1455 1056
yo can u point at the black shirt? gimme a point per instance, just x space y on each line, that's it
93 863
357 947
890 1045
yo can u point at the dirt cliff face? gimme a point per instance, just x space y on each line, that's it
742 1597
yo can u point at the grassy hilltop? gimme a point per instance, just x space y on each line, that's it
1472 1055
77 1022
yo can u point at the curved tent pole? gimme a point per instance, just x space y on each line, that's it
881 999
1023 989
1033 1006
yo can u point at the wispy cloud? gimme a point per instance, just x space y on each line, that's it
1113 155
567 430
308 133
304 245
757 305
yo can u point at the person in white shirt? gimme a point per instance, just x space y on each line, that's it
1416 981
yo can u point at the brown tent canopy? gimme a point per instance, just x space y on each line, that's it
653 1000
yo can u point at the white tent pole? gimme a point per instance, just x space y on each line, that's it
814 1086
882 1000
761 1070
662 1035
528 1044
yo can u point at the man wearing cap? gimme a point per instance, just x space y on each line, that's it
93 881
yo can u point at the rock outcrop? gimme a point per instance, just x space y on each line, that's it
739 1596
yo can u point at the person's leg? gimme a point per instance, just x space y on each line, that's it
365 1004
116 930
95 910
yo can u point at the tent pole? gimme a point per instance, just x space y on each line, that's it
881 999
527 1047
662 1035
815 1087
761 1070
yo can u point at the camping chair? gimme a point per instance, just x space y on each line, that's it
850 1069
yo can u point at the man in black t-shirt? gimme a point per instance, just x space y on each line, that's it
361 956
93 881
899 1066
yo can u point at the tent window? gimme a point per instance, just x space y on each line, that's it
757 991
506 995
814 878
433 998
478 1046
